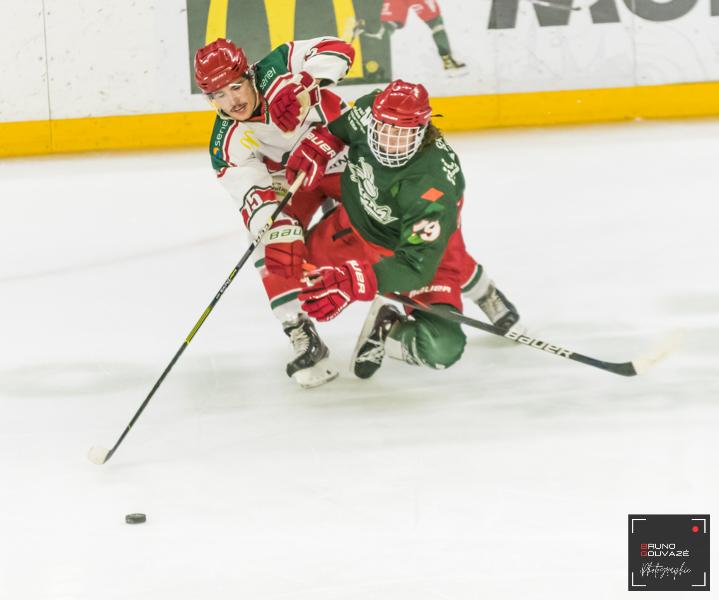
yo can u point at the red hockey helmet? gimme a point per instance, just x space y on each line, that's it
403 104
400 115
218 64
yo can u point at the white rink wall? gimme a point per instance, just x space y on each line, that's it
23 66
70 59
85 58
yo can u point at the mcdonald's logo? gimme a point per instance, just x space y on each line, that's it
248 140
259 26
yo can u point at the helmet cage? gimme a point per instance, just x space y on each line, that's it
393 146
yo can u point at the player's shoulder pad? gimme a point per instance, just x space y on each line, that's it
367 99
358 116
439 160
217 142
269 68
224 134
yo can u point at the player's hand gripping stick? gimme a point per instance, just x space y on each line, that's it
293 99
312 155
329 290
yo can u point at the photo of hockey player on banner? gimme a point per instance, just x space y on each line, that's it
394 16
369 27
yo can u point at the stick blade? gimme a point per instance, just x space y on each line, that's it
348 30
666 347
98 455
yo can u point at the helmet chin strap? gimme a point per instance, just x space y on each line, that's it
222 114
251 75
213 103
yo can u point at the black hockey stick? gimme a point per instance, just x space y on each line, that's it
628 369
100 455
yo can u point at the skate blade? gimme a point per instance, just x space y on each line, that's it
316 375
456 73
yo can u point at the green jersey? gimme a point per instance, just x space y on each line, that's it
410 210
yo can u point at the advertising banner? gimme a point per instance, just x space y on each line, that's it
81 64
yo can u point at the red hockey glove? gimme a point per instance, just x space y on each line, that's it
312 155
286 105
285 249
330 290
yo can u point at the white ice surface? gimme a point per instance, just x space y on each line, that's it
509 475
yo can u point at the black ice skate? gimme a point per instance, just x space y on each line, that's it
500 311
369 351
309 367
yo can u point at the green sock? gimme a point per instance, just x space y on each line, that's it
439 35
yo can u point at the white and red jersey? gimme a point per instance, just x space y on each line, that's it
246 154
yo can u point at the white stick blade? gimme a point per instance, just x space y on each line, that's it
669 345
98 455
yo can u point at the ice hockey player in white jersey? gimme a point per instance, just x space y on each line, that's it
264 110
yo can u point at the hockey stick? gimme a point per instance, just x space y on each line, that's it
628 369
550 4
100 455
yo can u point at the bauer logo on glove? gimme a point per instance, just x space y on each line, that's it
285 249
312 155
329 290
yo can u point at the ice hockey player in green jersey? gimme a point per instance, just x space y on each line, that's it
397 230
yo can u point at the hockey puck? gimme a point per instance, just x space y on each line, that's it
134 518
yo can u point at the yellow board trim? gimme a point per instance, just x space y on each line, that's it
281 21
216 21
460 113
106 133
25 138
